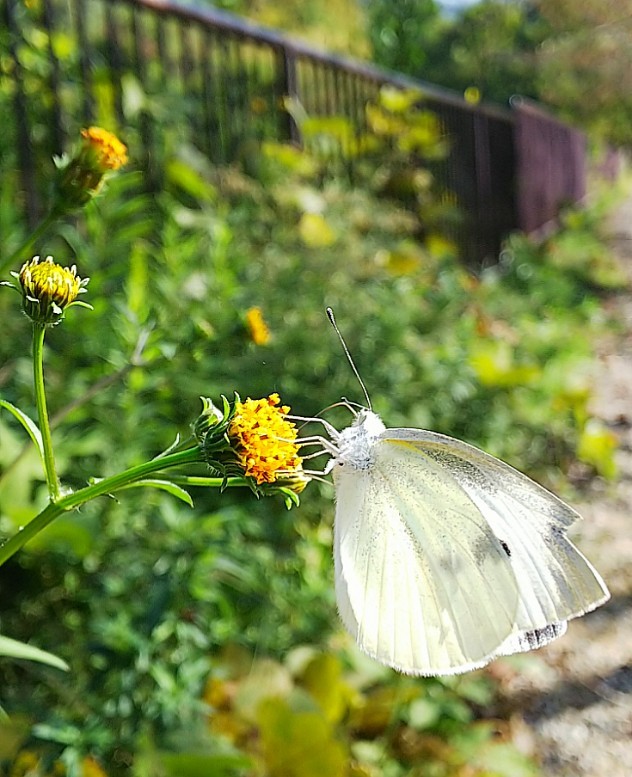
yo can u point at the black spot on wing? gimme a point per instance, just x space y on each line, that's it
505 547
531 640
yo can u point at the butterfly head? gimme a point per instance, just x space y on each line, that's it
355 443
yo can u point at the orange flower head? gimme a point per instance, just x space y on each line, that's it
106 149
264 440
81 177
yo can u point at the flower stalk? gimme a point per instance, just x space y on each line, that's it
103 487
39 330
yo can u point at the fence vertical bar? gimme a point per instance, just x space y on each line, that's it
23 134
84 60
288 87
207 95
54 80
113 49
483 212
145 128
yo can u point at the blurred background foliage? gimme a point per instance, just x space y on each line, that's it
573 56
206 641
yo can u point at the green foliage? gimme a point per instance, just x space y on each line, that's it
314 715
403 35
573 56
490 46
584 65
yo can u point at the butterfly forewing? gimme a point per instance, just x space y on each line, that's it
556 582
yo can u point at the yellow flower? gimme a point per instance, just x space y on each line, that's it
108 151
263 440
48 289
91 768
259 332
26 762
81 178
315 231
258 105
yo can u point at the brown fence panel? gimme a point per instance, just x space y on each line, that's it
480 172
550 165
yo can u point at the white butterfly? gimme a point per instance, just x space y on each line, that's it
445 557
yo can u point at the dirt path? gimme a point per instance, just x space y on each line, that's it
576 698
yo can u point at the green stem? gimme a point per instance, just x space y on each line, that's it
115 482
52 480
101 488
26 533
27 244
208 482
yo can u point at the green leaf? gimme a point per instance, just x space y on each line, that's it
597 446
14 732
323 679
501 759
164 485
170 449
14 649
194 765
189 180
28 423
298 743
424 714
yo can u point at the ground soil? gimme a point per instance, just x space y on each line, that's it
571 707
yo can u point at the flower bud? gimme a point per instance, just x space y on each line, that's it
209 419
48 289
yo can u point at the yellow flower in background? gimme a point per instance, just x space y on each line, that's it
90 767
80 179
48 289
406 259
315 231
472 95
263 439
441 247
496 365
258 105
257 327
30 764
108 151
26 762
597 446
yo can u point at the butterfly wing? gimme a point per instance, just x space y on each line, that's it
555 581
422 581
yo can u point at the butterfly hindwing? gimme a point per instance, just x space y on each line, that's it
422 581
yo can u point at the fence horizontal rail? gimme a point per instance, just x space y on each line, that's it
168 72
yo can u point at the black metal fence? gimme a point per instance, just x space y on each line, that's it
163 72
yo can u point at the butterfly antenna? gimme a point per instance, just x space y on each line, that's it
332 321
